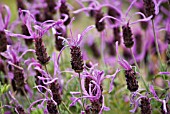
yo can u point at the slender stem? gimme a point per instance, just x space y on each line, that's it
59 109
102 47
66 108
81 91
46 68
26 95
156 43
138 69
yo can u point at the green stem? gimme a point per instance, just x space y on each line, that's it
144 83
81 91
46 69
59 109
26 95
156 43
66 108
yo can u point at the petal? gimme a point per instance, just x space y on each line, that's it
112 80
152 90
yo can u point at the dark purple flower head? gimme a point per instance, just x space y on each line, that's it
127 36
52 107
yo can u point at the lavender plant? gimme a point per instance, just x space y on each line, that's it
124 71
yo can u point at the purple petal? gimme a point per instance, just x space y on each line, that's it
164 73
112 80
152 90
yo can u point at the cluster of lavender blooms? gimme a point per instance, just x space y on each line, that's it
138 48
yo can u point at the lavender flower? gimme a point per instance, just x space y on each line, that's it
127 33
51 107
14 60
127 36
149 8
116 33
100 26
64 11
55 89
132 83
145 106
92 90
3 25
37 35
59 31
76 57
144 103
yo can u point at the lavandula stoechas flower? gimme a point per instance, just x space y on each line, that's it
145 104
51 104
64 11
3 25
125 21
127 36
132 83
149 8
37 69
76 56
92 90
37 34
51 107
59 31
13 59
22 5
116 29
54 89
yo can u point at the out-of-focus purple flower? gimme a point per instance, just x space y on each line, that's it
64 11
4 21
